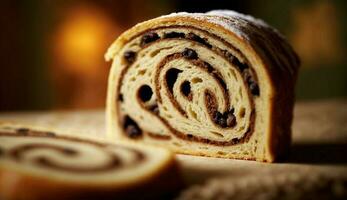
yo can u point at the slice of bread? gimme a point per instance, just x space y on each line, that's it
217 84
37 165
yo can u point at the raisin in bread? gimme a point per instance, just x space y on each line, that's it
217 84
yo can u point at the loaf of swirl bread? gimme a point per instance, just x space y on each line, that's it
40 165
216 84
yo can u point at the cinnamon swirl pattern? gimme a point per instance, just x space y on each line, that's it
46 164
215 84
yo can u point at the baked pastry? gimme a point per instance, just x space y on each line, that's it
37 165
216 84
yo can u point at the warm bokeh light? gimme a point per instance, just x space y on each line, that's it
79 71
82 39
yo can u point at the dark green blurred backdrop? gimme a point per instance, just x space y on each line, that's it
52 51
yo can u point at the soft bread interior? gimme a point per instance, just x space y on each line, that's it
183 122
79 161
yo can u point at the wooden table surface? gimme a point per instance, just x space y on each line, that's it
319 141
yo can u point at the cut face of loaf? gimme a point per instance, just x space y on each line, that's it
217 84
37 165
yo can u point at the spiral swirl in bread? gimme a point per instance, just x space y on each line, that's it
215 84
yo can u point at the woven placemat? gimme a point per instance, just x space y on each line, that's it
298 185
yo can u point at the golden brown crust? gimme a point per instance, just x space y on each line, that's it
283 83
21 186
17 183
265 49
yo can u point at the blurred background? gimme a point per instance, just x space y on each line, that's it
52 51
